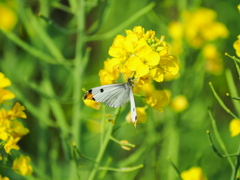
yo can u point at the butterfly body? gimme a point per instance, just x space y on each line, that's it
114 95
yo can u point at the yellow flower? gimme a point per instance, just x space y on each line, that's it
3 178
92 104
11 144
17 112
179 103
3 133
236 46
214 63
145 59
110 73
4 82
194 173
234 127
8 18
138 53
197 27
168 65
22 165
141 115
157 99
5 95
17 129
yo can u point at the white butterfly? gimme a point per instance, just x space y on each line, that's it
114 95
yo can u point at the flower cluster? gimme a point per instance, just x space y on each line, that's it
198 27
11 130
143 56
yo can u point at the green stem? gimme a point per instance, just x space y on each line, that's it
30 49
233 90
221 102
102 150
219 139
124 24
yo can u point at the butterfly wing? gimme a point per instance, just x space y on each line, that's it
133 108
112 95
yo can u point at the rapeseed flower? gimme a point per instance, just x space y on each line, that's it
179 103
214 63
194 173
141 56
197 27
12 130
234 127
236 46
22 165
3 178
8 18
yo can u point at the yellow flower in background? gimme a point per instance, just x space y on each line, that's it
157 99
22 165
194 173
197 27
179 103
11 130
8 18
11 144
236 46
142 115
17 129
214 63
234 127
17 112
3 178
5 82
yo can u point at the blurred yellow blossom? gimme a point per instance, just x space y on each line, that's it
234 127
197 27
214 63
142 115
3 178
194 173
8 18
236 46
22 165
11 144
17 111
157 99
5 95
179 103
11 130
5 82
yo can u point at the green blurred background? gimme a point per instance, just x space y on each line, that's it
40 55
